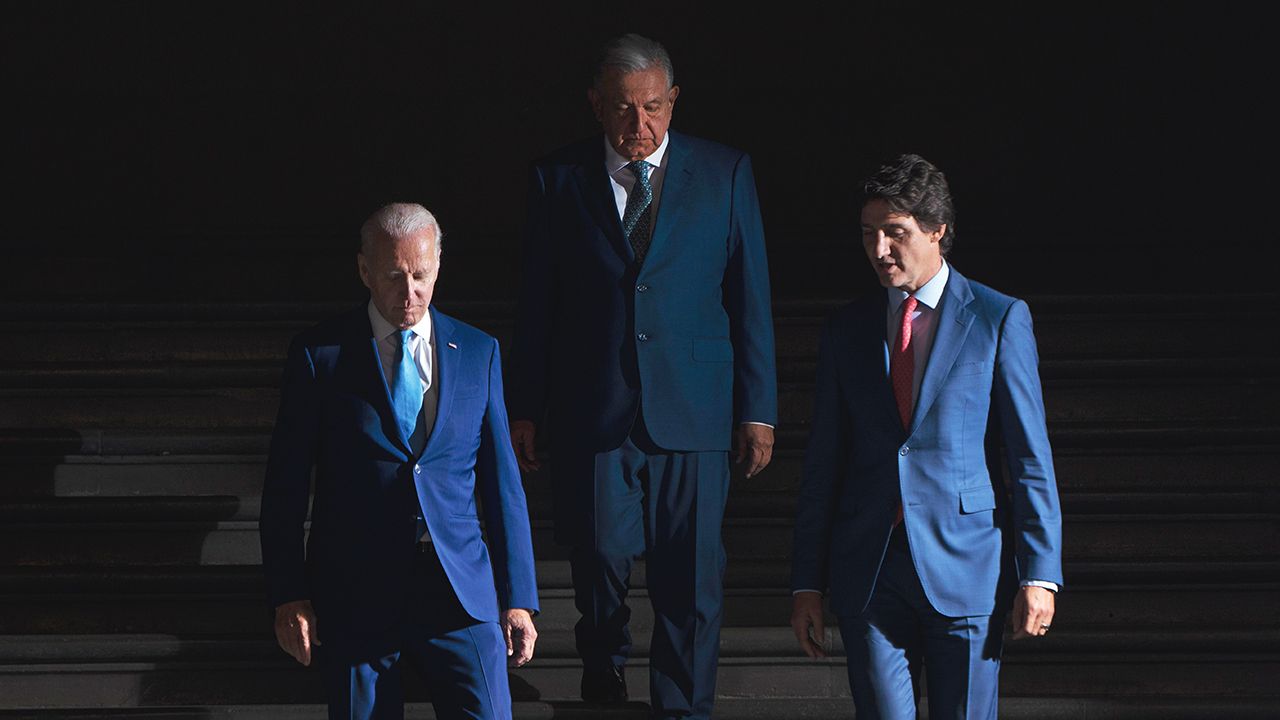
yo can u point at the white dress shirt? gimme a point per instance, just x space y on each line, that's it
419 346
622 180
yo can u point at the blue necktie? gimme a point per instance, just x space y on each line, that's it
406 388
635 216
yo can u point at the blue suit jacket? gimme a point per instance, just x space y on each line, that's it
335 416
687 341
972 536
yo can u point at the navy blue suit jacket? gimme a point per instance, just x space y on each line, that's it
971 536
335 416
687 341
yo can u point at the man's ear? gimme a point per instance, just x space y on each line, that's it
593 98
364 271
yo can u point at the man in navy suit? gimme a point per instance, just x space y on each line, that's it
920 540
399 410
645 338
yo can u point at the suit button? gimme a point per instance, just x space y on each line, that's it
642 336
641 288
903 452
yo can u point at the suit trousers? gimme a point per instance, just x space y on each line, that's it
667 506
900 631
463 661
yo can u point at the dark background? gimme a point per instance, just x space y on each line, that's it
201 152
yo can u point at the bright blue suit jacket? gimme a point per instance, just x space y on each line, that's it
687 342
336 417
973 535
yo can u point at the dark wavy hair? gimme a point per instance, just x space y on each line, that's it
912 185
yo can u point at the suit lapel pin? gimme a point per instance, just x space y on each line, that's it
452 345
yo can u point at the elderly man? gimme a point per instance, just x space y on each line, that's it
922 544
399 410
645 338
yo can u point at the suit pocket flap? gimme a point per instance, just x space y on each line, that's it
977 500
712 349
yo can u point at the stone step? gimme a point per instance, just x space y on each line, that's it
1038 707
1227 399
46 608
1066 327
236 372
235 542
252 681
50 446
557 643
217 600
1189 471
745 502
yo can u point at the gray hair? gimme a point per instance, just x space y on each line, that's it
399 220
634 53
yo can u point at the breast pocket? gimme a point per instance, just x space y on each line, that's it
970 368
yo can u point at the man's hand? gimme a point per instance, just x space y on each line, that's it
806 613
517 628
296 629
1032 612
753 443
522 434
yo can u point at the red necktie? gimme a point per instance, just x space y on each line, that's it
902 364
902 370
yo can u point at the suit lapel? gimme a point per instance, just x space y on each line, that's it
447 356
597 194
954 320
676 182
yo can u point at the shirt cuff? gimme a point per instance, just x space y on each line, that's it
804 590
753 422
1041 584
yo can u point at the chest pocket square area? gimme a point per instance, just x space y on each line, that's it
970 368
976 500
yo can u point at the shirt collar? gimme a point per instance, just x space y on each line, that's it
613 162
929 295
382 329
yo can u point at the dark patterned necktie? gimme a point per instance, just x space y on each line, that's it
635 217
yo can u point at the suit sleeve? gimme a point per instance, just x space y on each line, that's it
1019 403
530 364
287 487
505 509
823 468
747 303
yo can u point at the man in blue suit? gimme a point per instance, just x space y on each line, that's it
920 540
399 410
645 338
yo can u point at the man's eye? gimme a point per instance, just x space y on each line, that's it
652 108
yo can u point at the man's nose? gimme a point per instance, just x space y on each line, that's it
882 245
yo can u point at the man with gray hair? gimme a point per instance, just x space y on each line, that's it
645 340
398 409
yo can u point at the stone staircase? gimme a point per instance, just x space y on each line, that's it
133 440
